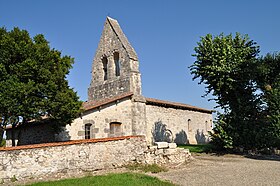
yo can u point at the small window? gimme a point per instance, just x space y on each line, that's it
206 125
87 131
189 125
117 63
115 129
105 67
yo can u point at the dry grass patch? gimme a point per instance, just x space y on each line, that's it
153 168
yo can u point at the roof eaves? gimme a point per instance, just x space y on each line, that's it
152 101
95 104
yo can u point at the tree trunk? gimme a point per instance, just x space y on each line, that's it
13 136
1 134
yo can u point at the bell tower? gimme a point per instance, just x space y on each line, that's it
115 68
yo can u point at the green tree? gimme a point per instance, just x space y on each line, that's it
268 81
224 64
221 139
33 81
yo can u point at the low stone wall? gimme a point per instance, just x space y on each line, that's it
45 160
86 155
166 154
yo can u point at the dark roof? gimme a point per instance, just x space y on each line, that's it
117 29
151 101
32 123
88 105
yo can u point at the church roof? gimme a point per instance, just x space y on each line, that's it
88 105
149 101
117 29
163 103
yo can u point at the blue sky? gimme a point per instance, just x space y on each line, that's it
163 33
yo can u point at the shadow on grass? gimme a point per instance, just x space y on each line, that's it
201 148
245 155
207 148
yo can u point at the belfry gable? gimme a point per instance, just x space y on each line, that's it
115 68
113 38
123 39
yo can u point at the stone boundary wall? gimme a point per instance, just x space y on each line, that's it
32 161
165 154
47 160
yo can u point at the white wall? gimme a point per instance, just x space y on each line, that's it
101 118
176 121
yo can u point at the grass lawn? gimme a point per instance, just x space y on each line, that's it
196 148
154 168
123 179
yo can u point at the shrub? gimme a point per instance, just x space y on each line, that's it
220 139
3 143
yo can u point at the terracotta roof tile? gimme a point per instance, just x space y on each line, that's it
73 142
152 101
95 104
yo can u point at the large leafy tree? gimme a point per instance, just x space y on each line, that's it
268 81
224 64
246 87
33 81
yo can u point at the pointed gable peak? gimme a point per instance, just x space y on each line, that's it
109 18
123 39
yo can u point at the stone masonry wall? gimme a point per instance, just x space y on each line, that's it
48 160
100 120
180 126
83 156
112 42
138 115
109 88
32 134
164 153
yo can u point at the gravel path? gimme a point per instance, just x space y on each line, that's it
211 170
225 170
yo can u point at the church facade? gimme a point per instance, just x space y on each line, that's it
116 106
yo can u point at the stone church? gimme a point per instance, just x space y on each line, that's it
116 106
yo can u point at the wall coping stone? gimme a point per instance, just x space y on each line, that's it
72 142
161 145
172 145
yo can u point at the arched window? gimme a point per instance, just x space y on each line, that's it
189 125
115 129
105 67
87 130
206 125
117 64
